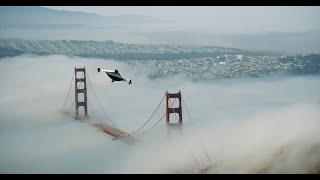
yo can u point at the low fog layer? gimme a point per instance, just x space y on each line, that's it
247 126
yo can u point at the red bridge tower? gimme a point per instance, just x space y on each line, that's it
80 88
173 110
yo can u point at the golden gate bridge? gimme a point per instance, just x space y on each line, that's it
81 101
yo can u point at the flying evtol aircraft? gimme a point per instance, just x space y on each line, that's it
114 75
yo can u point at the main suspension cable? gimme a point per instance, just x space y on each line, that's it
103 110
149 117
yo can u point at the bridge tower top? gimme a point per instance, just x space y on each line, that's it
173 110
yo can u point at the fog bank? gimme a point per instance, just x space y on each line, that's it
247 126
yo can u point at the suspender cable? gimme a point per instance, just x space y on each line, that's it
70 83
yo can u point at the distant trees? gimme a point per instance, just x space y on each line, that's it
9 52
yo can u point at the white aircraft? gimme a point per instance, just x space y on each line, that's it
114 75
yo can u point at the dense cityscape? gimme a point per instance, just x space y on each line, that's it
233 66
195 62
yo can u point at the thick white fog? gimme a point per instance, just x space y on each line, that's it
247 126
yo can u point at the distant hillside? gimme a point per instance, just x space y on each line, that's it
18 16
38 23
291 43
120 51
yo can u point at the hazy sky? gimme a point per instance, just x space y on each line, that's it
223 18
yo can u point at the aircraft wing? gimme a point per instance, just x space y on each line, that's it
105 70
